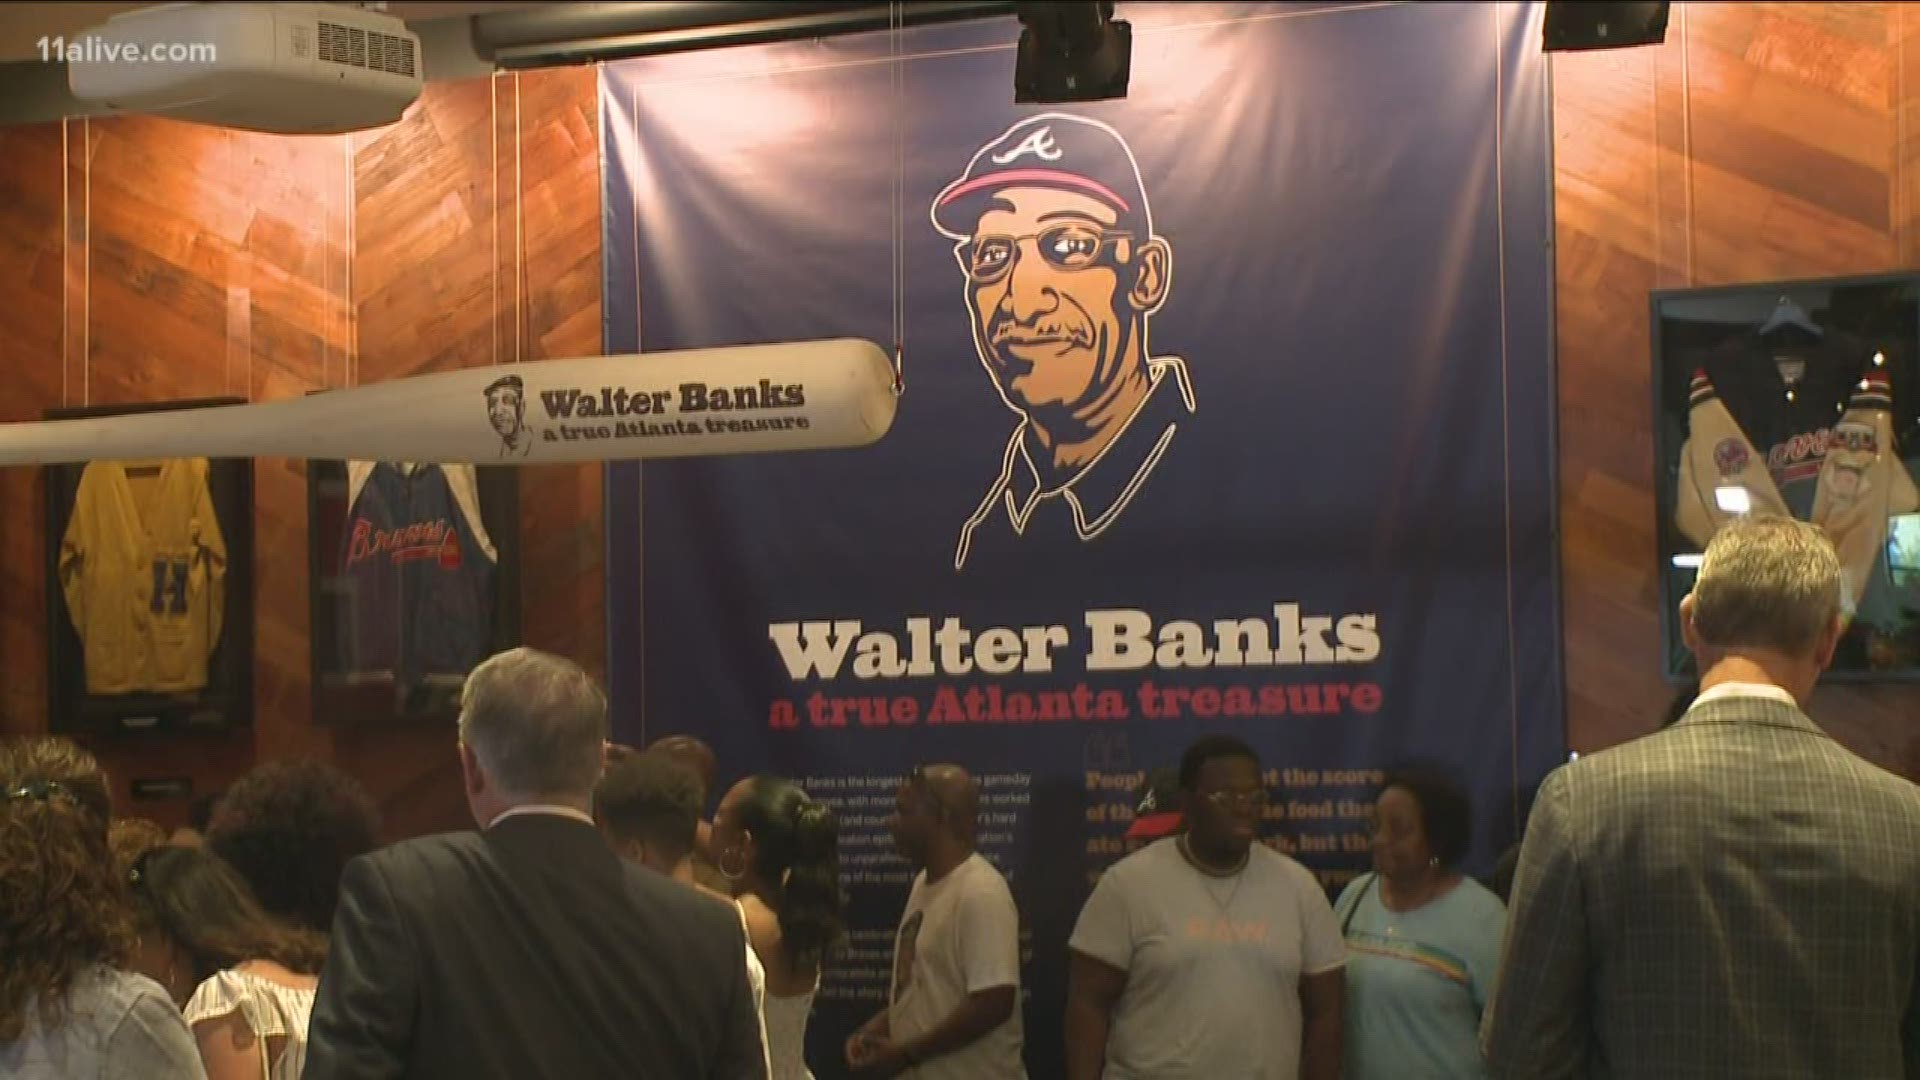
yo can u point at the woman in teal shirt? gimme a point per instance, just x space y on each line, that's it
1423 940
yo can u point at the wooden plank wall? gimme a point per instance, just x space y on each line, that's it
1762 141
158 260
1759 142
33 187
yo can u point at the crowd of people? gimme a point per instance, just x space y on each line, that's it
130 952
1733 895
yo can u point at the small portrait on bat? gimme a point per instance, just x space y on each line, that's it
507 412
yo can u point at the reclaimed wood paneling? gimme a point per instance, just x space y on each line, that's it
477 242
33 373
216 266
157 260
558 228
1759 142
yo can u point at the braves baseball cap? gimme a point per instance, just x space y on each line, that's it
1156 806
1055 150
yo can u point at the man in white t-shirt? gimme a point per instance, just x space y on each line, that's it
1207 955
954 1009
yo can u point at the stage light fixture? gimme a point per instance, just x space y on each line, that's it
1071 52
1580 25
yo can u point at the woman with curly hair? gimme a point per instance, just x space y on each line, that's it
66 1010
1423 939
290 828
246 981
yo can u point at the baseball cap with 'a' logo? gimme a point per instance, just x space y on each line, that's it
1156 806
1053 150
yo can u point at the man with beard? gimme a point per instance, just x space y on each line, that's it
1208 954
1063 269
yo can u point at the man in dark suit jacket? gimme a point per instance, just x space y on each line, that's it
530 949
1736 895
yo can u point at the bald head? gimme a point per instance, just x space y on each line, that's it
957 795
691 753
934 814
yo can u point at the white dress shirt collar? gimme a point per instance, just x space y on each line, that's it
1745 689
542 808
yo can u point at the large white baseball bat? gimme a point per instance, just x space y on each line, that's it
809 395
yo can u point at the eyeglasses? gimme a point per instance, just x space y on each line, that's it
1233 800
1066 246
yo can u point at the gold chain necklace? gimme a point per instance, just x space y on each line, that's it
1186 852
1206 871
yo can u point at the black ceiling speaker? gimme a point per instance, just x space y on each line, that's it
1579 25
1071 52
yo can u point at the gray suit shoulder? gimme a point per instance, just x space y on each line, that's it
1897 789
1793 749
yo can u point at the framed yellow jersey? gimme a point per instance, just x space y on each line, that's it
149 568
143 567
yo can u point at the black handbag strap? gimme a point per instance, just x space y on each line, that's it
1373 878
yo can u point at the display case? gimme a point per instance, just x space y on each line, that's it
415 578
1796 398
149 568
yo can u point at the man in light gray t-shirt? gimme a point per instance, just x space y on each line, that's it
953 1011
1207 955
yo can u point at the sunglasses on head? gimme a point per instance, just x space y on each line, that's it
41 791
46 791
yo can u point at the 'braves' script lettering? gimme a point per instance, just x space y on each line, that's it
435 540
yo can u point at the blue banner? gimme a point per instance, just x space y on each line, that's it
1227 408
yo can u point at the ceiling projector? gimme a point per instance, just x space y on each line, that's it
286 69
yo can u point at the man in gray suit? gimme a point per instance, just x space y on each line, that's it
1735 895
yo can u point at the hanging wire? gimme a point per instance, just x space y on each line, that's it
896 20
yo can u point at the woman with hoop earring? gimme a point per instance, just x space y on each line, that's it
780 852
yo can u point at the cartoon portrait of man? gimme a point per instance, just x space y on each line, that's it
507 411
1062 271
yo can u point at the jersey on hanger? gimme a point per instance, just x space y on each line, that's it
416 573
143 569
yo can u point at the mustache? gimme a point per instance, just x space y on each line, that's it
1011 332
